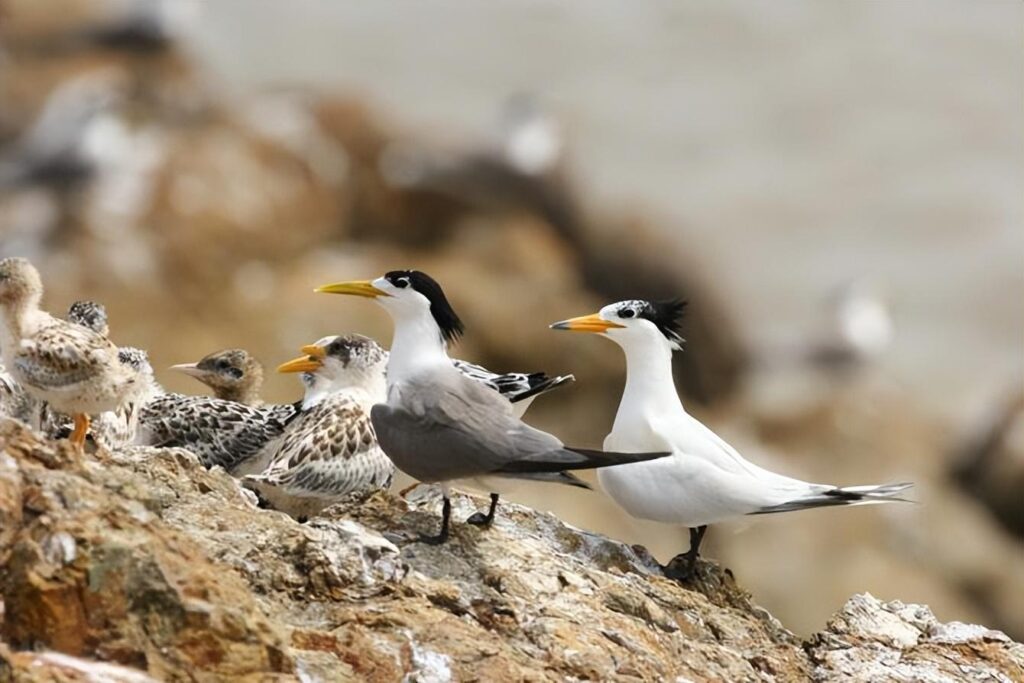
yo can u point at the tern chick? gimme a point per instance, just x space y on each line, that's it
224 433
705 480
330 449
233 374
74 369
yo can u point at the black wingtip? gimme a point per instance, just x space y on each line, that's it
542 387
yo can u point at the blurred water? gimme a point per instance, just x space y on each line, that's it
791 144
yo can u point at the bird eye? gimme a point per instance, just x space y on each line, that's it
402 282
627 313
223 364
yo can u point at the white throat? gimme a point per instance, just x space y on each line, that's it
317 389
650 389
367 386
416 347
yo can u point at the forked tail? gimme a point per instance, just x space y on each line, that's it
846 495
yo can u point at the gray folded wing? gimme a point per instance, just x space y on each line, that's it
450 427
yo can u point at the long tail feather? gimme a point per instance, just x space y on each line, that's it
847 495
575 459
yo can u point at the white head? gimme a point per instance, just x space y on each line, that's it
340 363
409 296
633 324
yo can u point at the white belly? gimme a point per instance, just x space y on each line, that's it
677 489
78 398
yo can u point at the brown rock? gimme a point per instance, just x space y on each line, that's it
151 562
92 573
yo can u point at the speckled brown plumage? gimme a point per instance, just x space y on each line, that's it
224 433
330 449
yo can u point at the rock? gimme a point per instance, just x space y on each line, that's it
871 640
147 565
57 666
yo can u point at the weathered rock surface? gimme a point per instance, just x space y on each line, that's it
143 564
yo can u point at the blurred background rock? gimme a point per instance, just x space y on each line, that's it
834 188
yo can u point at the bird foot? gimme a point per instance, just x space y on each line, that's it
480 519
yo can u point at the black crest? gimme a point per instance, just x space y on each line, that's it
444 314
666 315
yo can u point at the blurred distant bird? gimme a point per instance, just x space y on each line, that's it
516 171
74 369
53 151
862 327
705 480
141 25
136 26
329 450
855 332
439 425
233 374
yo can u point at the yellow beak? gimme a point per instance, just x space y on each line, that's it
315 351
311 362
586 323
354 288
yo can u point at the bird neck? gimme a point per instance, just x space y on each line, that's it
650 388
247 393
13 316
317 389
416 346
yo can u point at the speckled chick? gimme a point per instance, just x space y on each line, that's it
330 449
233 374
74 369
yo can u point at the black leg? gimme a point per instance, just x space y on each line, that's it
480 519
446 515
688 560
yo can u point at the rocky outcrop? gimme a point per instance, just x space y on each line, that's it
143 564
